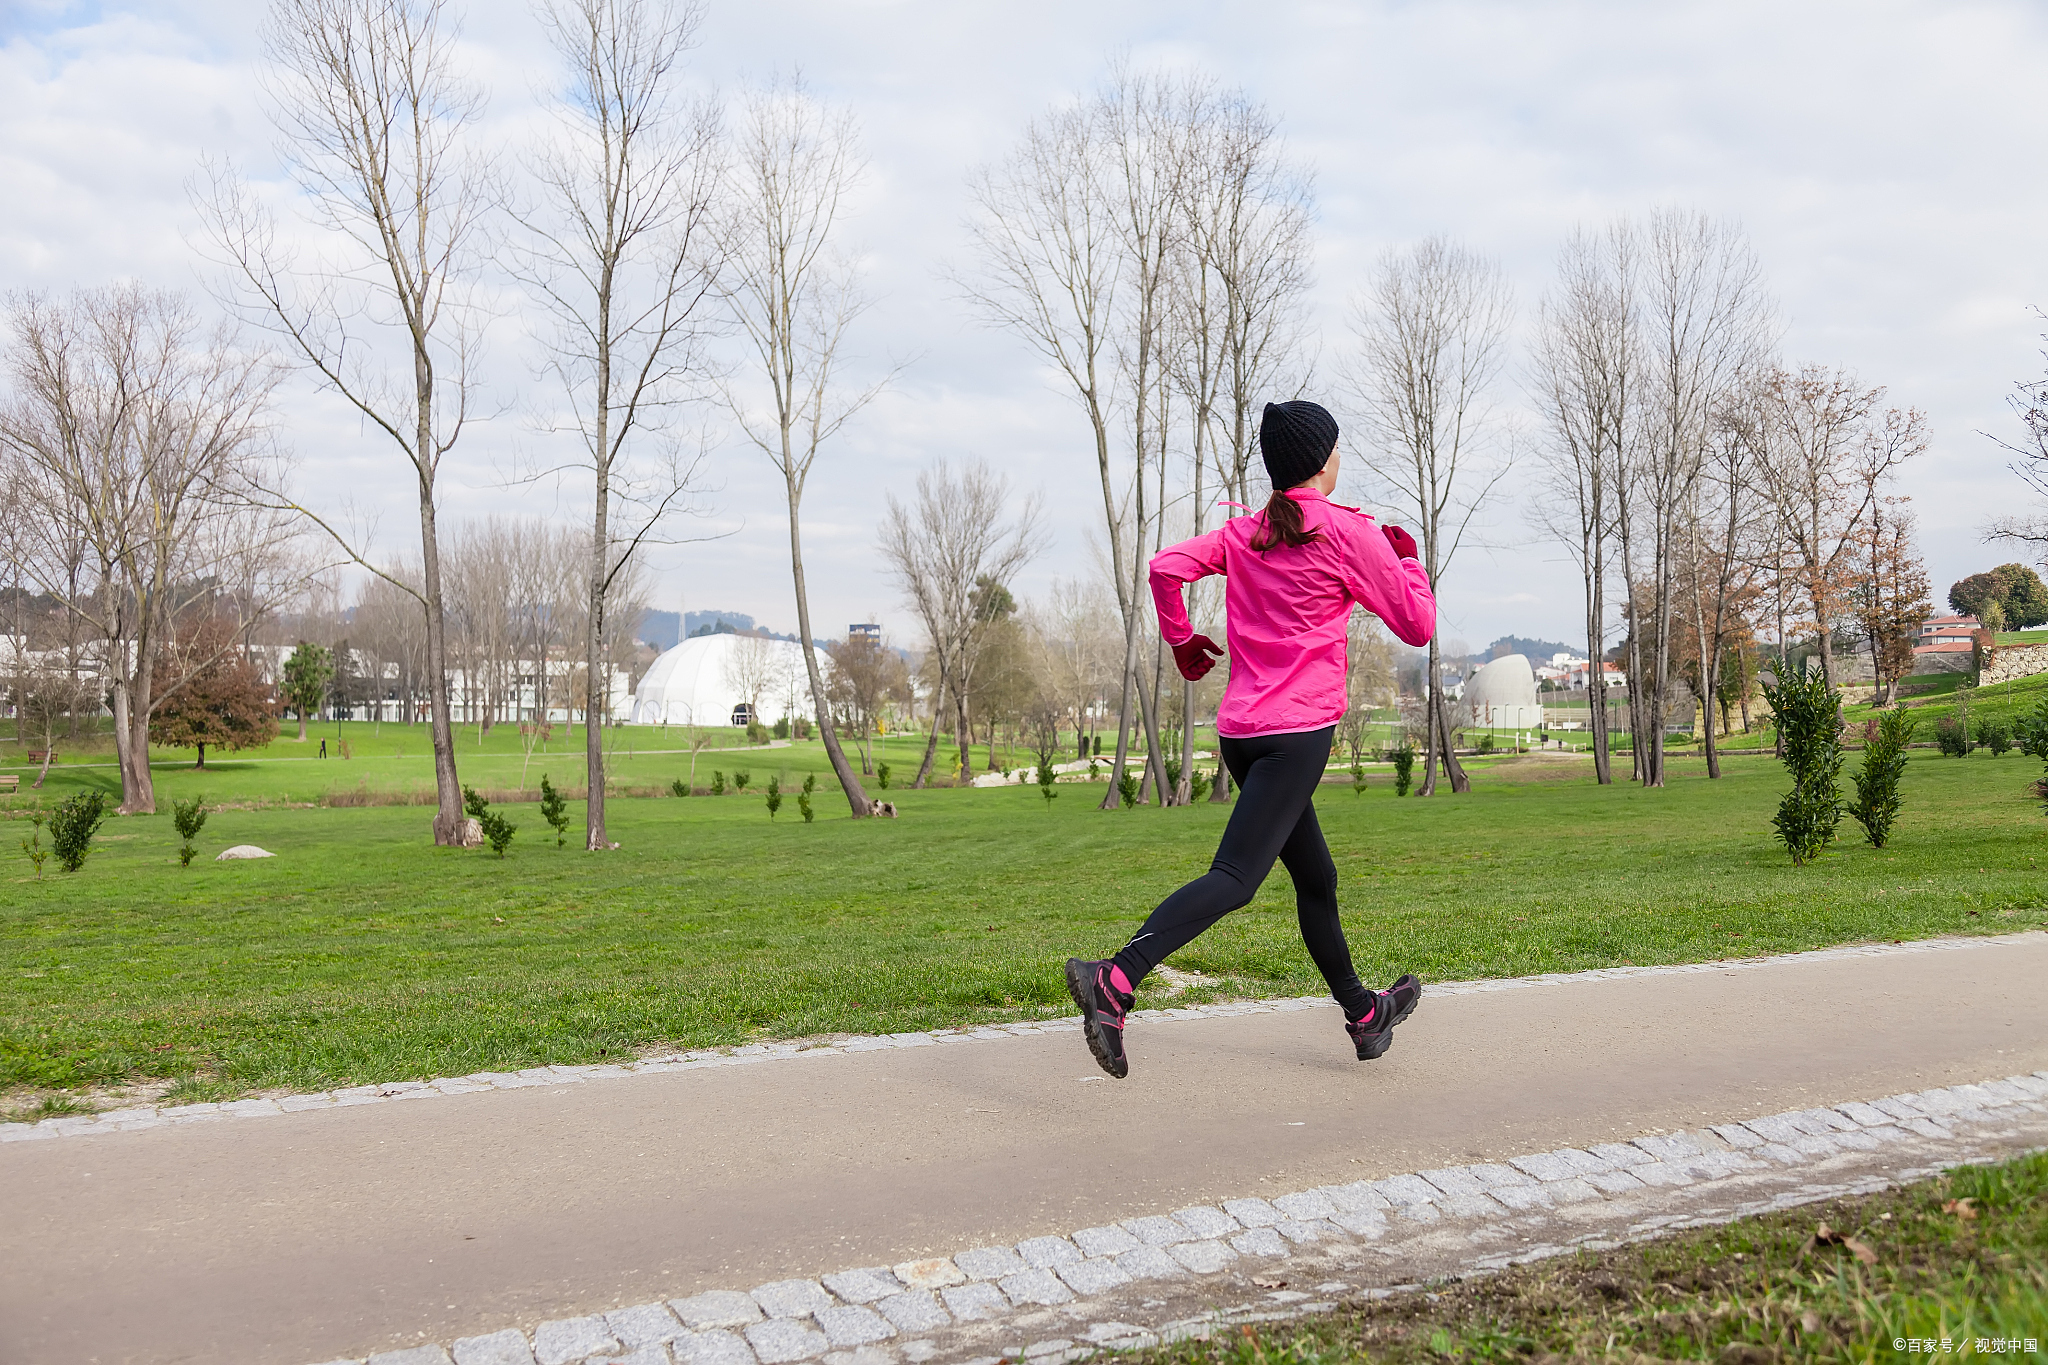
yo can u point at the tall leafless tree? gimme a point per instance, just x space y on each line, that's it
794 297
1431 331
961 532
621 255
1705 322
375 120
1585 368
132 440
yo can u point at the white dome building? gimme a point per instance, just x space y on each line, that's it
1502 695
712 679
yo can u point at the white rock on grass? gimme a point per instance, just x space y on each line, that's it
239 851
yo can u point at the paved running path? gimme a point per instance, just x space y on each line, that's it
310 1236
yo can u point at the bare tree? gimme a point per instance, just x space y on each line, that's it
1724 528
621 257
752 668
794 299
2029 403
1585 371
132 439
1830 456
1705 322
374 119
1431 330
960 533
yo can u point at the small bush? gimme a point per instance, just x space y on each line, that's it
1127 789
1199 786
1810 714
2032 734
1404 769
740 780
33 845
554 810
774 795
1046 777
188 817
882 775
1953 738
1486 744
757 733
679 788
782 728
72 826
1994 735
803 798
717 783
1877 781
496 828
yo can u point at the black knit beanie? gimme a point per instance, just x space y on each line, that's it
1296 438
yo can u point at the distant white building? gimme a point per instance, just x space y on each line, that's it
1502 695
707 681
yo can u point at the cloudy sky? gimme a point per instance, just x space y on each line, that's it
1883 158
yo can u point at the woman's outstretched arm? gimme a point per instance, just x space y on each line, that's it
1390 587
1173 568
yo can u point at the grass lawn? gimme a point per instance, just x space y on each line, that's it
1760 1290
361 953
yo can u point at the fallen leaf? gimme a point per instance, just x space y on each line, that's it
1809 1321
1860 1251
1961 1208
1268 1282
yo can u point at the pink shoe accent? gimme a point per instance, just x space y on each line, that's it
1119 980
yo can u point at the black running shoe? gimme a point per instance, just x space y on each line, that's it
1407 994
1374 1034
1103 1007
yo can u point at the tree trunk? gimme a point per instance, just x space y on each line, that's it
849 782
131 719
1184 790
1596 669
302 725
596 838
1429 714
449 819
202 757
931 743
1460 783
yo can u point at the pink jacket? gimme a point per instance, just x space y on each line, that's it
1288 609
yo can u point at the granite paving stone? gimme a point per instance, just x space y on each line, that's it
1472 1206
1301 1231
1105 1241
1738 1136
934 1273
1157 1230
1043 1253
570 1339
1419 1213
717 1308
1252 1213
974 1302
792 1299
1092 1276
654 1353
1622 1154
711 1349
1204 1258
411 1355
1585 1163
853 1325
1613 1182
1780 1153
1454 1180
863 1286
1306 1206
1148 1263
1573 1191
1496 1176
781 1340
1036 1287
642 1325
863 1355
1522 1198
1402 1190
1206 1222
914 1310
1368 1223
1670 1146
1357 1197
989 1263
1927 1128
498 1348
1259 1242
1545 1166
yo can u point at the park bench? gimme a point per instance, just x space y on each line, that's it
9 782
38 755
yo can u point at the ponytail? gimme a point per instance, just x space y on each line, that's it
1283 525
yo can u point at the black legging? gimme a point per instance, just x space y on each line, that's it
1275 817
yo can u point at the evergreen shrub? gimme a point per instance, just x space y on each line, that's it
1810 719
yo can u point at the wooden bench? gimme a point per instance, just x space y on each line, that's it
9 782
38 755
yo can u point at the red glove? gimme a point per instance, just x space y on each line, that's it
1195 658
1403 543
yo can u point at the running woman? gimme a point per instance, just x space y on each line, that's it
1293 572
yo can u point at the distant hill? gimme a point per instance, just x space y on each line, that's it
661 629
1539 651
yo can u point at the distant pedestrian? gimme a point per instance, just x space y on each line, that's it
323 748
1292 575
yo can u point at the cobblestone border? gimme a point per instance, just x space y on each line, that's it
955 1307
133 1119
